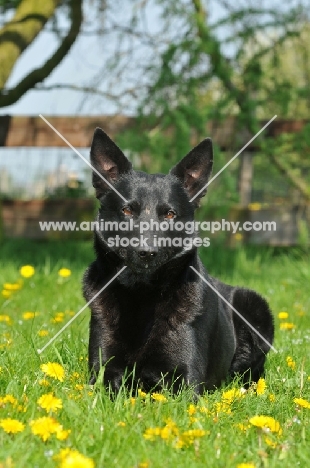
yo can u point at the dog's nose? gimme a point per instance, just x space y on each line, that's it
147 253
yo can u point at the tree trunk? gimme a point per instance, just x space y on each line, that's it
245 178
29 19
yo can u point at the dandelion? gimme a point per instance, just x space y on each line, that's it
54 370
44 427
290 362
59 317
44 383
42 333
49 402
11 426
243 427
27 271
6 293
283 315
301 402
254 206
29 315
12 286
121 424
70 458
8 399
246 465
151 433
64 272
266 423
191 409
271 397
143 465
141 394
261 386
159 397
270 443
62 434
230 395
286 326
5 318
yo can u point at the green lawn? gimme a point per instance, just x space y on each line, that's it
147 431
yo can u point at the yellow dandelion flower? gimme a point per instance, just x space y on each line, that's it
271 397
73 459
159 397
191 409
266 423
204 410
27 271
222 407
151 433
44 427
254 206
243 427
44 383
75 375
54 370
49 402
261 386
30 315
143 465
62 434
287 326
270 443
238 236
230 395
6 293
246 465
301 402
12 286
290 362
43 333
59 317
141 394
5 318
64 272
121 424
194 433
11 426
283 315
10 399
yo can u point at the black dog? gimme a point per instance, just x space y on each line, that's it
158 317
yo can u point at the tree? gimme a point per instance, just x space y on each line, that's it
29 18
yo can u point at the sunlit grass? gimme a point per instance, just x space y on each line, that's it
50 417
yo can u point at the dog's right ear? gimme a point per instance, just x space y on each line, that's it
107 158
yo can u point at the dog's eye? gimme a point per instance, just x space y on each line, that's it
127 210
170 214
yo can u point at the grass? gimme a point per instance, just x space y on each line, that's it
108 433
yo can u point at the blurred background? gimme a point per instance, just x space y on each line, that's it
158 76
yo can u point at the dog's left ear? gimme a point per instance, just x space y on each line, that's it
195 168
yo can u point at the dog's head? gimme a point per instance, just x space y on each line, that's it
141 215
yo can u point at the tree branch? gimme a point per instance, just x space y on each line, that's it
86 89
29 19
10 96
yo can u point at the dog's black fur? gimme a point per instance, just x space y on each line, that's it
158 317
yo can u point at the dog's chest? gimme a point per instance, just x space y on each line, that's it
148 322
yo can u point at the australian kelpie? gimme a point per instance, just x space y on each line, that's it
158 319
